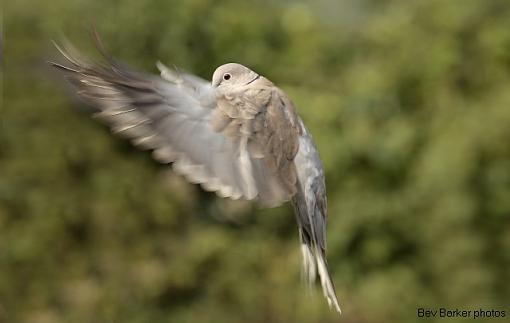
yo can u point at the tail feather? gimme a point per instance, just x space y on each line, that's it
312 233
314 262
309 264
327 285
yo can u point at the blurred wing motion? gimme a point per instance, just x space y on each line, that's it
176 115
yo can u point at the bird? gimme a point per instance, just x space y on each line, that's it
239 136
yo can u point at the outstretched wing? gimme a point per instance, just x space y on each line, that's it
176 116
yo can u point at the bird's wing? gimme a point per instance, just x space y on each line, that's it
177 117
261 118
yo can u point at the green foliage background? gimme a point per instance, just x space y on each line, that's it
409 102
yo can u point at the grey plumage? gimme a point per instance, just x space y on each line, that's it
238 136
310 208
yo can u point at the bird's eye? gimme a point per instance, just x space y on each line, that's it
227 76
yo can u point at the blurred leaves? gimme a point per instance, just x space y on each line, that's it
408 102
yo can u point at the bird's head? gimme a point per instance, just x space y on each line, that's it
233 74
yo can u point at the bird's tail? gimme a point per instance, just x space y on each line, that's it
314 261
312 233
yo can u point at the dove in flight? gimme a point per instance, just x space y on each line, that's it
238 136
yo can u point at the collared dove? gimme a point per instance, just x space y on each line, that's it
238 136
